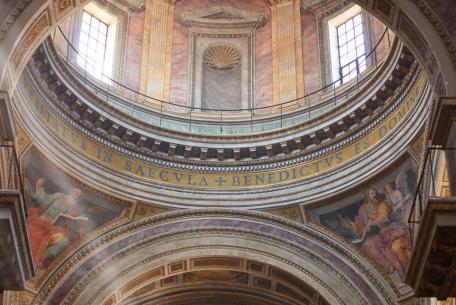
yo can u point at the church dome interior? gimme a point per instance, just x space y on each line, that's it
177 152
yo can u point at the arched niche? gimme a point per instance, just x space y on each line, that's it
225 34
221 79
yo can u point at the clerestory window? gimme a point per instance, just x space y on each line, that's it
96 41
351 48
349 39
92 45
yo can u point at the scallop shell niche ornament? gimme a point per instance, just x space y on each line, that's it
222 57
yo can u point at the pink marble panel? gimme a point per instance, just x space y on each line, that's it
180 64
133 50
382 48
59 40
311 57
263 67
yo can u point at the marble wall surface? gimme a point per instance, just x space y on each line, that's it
133 49
378 29
180 64
263 83
311 60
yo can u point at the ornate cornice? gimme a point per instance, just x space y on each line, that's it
222 17
349 122
281 195
9 20
439 27
292 157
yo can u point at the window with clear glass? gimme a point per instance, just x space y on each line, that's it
351 48
92 45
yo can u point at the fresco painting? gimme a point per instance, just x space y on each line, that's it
376 219
60 211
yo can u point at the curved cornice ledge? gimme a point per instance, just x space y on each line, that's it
325 182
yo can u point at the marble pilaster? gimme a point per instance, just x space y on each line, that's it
288 78
158 37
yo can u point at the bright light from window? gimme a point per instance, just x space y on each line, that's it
92 45
351 46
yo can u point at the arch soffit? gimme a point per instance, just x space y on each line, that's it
169 233
37 20
226 271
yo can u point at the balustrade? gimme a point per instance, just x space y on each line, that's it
187 118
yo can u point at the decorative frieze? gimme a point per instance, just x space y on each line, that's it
31 39
222 57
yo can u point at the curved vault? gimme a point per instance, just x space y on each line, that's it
155 249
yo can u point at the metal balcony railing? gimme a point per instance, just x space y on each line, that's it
433 184
174 116
10 176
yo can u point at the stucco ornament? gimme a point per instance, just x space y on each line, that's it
222 57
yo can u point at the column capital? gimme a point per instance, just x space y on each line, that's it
278 2
169 2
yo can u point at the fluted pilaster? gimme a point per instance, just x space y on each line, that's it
157 48
288 78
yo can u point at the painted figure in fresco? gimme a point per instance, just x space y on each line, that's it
404 183
52 222
371 217
384 240
396 201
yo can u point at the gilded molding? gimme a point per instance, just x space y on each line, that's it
144 210
36 32
22 138
61 7
292 213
